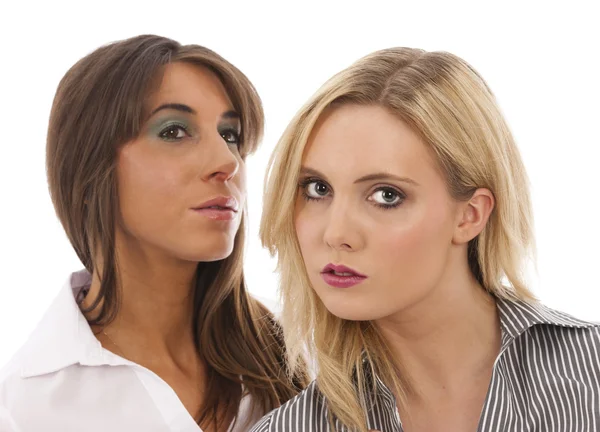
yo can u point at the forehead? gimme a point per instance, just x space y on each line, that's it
192 85
356 140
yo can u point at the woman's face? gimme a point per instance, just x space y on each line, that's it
181 181
374 219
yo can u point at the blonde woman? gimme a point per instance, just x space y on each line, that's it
146 150
398 206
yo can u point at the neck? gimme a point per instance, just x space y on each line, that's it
155 294
448 339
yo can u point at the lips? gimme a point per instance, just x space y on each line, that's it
219 203
220 208
340 276
341 270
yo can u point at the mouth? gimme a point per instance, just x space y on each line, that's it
340 276
220 208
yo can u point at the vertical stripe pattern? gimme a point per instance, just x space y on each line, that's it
545 379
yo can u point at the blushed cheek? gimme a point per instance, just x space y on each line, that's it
415 255
404 247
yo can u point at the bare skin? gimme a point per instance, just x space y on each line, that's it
373 199
181 159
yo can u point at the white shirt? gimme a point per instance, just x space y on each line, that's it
64 380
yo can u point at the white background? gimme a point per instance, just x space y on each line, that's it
541 61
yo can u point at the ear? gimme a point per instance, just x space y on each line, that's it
473 216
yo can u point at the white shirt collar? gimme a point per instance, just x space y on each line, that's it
63 337
63 342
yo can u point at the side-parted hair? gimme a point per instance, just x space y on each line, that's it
448 104
100 105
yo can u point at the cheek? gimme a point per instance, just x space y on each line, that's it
302 229
416 249
306 225
148 186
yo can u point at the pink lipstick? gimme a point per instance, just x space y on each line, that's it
340 276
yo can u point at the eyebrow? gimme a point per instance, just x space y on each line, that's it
386 176
174 106
228 115
369 177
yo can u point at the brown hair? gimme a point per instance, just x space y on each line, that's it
98 107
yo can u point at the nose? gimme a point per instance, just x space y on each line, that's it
223 162
342 231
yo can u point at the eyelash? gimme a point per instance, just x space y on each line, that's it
303 184
185 129
401 198
234 132
170 126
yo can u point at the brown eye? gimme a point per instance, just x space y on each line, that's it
173 132
231 136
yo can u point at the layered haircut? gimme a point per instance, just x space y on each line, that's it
450 107
99 106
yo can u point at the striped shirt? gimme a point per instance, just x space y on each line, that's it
546 378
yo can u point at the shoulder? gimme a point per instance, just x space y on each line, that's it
7 424
520 318
11 374
12 367
561 328
9 380
555 348
21 395
580 340
306 410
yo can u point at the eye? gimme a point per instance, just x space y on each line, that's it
231 136
315 189
387 197
173 132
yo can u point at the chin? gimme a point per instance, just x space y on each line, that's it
352 307
209 251
353 314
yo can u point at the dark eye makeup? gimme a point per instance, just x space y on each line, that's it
174 131
230 134
383 197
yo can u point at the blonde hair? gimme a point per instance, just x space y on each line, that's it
447 103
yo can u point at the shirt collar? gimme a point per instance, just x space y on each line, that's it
516 317
63 337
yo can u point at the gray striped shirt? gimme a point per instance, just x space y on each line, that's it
546 378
